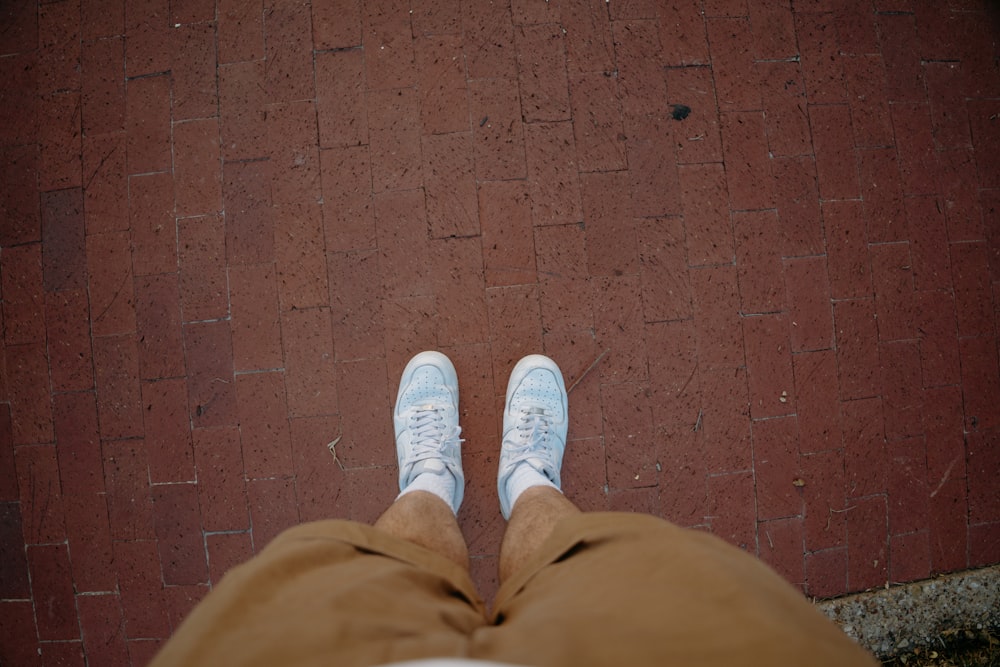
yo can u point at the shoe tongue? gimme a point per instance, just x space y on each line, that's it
435 466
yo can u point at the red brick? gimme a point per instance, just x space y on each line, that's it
984 140
917 152
147 23
27 369
8 474
628 436
892 279
911 558
682 34
698 139
64 262
600 136
59 141
653 181
589 46
730 516
450 185
707 224
158 321
732 44
293 151
272 509
154 230
683 484
307 341
820 57
478 517
882 192
957 183
394 135
40 494
181 600
948 526
436 17
748 165
226 551
198 177
639 501
343 119
939 359
857 353
848 260
104 209
367 430
461 312
388 42
52 591
870 113
666 288
256 329
264 434
983 462
211 392
776 468
301 265
836 163
246 195
17 617
147 124
101 19
193 71
337 25
19 118
126 478
480 419
201 248
78 444
784 98
103 85
773 30
140 583
980 382
355 308
943 426
726 8
769 366
178 533
402 243
348 214
63 654
826 573
24 295
19 202
641 83
240 30
809 303
611 234
758 262
489 40
970 272
242 113
618 325
867 538
409 328
856 33
222 493
900 48
507 241
101 622
716 314
21 29
289 73
984 544
552 173
498 133
116 369
319 479
541 60
725 420
781 546
816 400
949 112
561 256
928 236
142 651
865 455
515 324
907 486
823 495
444 105
166 419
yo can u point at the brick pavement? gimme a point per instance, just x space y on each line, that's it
226 226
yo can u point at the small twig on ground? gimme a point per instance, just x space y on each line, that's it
589 368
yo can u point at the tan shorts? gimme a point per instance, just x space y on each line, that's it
613 589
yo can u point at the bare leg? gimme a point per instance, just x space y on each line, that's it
423 518
532 519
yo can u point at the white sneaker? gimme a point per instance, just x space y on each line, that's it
535 422
426 421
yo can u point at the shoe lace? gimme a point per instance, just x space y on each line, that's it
428 433
533 434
